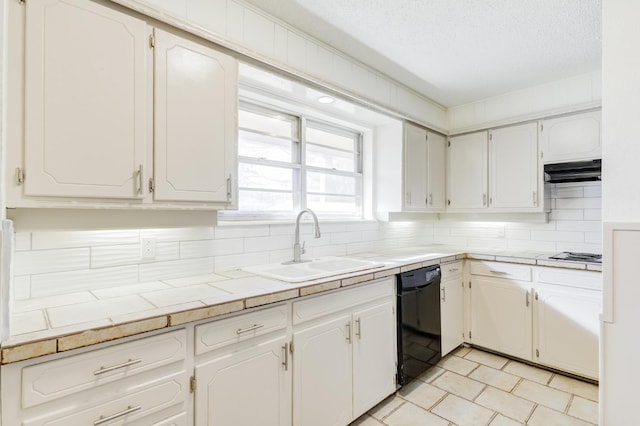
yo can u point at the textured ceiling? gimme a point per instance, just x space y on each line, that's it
457 51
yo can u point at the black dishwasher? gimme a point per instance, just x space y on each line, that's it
418 322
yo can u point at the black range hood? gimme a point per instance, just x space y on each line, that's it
575 171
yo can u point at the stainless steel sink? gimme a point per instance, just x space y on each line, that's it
314 269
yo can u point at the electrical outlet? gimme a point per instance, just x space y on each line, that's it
148 248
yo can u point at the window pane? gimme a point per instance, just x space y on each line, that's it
261 146
332 184
328 158
333 204
275 125
257 176
333 140
265 201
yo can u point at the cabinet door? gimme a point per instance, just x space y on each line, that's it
415 168
570 138
86 100
436 160
322 376
501 316
467 171
247 387
374 356
451 314
568 329
195 120
513 167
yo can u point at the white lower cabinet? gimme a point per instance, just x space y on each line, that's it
566 327
373 361
242 370
501 315
344 354
451 307
141 382
245 387
322 378
552 319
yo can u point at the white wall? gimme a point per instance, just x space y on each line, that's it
561 96
620 369
251 31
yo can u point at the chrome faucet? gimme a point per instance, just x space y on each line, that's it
297 249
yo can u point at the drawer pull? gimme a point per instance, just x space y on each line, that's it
454 270
129 410
499 272
251 328
103 370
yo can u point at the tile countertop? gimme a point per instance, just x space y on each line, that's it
65 322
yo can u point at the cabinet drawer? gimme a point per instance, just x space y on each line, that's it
125 409
319 306
54 379
451 270
582 279
502 270
217 334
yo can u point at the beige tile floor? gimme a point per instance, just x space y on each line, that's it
474 388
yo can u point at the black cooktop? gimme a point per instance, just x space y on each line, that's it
578 257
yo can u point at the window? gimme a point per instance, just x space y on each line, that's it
289 162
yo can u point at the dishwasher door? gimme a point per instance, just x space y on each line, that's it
419 346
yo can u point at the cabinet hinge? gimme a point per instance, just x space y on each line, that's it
469 284
291 346
19 176
469 335
541 154
152 185
152 41
536 295
193 384
537 353
490 136
541 126
449 144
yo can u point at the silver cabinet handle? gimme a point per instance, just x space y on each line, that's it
229 189
454 270
250 328
498 272
103 370
484 199
358 329
444 294
349 332
285 362
129 410
527 298
140 179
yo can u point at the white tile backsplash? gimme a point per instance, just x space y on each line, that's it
574 225
51 263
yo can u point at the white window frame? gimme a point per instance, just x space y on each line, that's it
298 164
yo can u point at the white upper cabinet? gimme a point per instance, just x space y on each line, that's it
513 167
424 169
117 112
467 172
570 138
195 120
85 100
